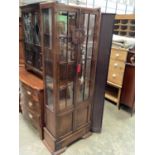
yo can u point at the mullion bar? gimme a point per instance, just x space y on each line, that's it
86 54
66 64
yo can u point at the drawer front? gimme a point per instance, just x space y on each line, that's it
31 117
118 54
30 93
115 78
33 105
116 66
116 72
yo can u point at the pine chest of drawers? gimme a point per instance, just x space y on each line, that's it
32 99
117 66
116 74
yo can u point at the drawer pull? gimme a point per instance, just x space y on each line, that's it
117 54
30 104
115 64
113 75
30 116
28 92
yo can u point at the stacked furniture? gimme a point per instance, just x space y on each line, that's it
125 25
120 87
61 46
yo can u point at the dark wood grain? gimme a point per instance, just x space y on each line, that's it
105 41
128 89
66 123
30 79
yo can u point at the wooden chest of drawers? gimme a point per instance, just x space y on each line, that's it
115 74
117 66
32 99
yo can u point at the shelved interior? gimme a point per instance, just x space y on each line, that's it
124 27
112 93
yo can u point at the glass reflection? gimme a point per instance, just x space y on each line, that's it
47 27
62 31
62 99
48 60
69 95
36 29
49 97
28 27
90 36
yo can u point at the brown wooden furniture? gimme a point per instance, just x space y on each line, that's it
32 99
32 40
70 46
128 89
115 74
105 41
21 48
125 25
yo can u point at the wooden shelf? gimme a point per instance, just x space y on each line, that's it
113 84
119 17
111 97
127 30
125 25
112 93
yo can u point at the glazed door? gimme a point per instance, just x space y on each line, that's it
66 23
31 27
85 70
75 69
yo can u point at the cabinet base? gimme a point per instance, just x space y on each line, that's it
56 147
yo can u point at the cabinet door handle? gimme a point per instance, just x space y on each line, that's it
117 54
115 64
30 104
28 92
30 116
113 75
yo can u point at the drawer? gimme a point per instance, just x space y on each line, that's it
116 66
30 93
116 72
115 78
31 117
118 54
34 106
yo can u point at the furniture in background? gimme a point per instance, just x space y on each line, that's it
120 74
21 55
21 48
128 88
125 25
115 74
105 41
31 88
70 46
32 38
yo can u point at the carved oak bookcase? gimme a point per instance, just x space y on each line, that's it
69 44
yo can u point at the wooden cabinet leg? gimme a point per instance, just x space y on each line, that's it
118 99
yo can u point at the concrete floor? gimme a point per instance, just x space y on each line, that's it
117 137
